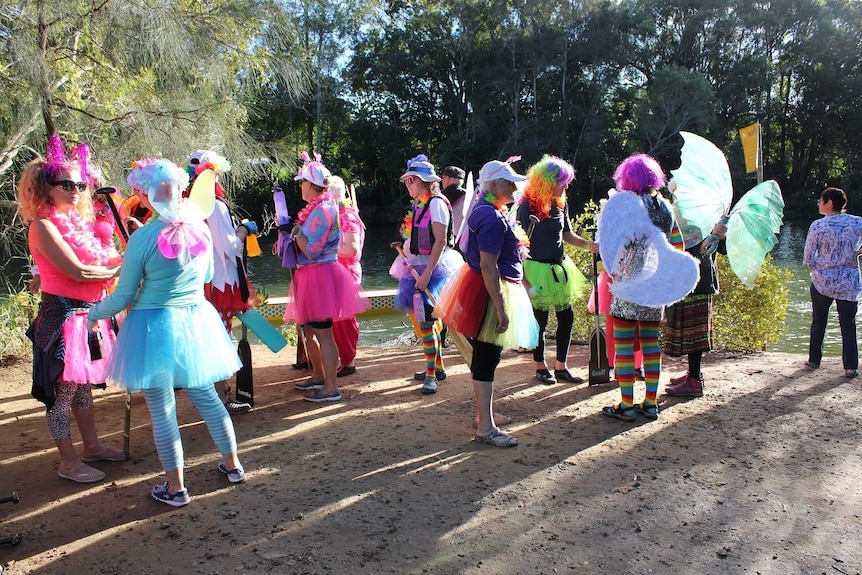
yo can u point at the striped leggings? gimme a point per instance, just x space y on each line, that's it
162 404
648 336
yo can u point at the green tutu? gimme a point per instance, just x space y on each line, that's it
556 285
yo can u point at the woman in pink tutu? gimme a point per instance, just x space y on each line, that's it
323 290
75 268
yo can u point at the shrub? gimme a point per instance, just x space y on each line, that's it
16 312
747 319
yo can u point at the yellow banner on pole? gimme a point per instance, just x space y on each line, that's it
750 138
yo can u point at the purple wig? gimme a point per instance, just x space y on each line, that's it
639 173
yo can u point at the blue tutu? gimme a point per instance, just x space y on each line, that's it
450 262
186 347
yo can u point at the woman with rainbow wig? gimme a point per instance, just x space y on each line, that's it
551 276
642 250
172 337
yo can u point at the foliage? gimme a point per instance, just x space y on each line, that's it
748 319
16 312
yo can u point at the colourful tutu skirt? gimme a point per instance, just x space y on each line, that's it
63 348
465 306
185 347
79 363
556 285
449 264
230 299
320 292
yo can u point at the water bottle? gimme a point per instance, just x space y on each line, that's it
419 306
281 215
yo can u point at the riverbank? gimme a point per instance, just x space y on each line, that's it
761 475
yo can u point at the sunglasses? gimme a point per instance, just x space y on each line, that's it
69 185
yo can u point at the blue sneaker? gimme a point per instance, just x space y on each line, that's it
234 475
160 493
430 386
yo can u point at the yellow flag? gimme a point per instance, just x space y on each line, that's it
750 137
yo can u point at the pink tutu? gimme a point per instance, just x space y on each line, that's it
79 367
604 282
323 291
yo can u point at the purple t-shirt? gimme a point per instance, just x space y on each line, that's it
491 233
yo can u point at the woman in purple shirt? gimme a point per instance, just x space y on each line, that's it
831 249
486 300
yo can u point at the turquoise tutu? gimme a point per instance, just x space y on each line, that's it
186 347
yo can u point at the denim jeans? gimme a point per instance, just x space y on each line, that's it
820 305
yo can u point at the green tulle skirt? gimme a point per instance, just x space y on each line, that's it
556 285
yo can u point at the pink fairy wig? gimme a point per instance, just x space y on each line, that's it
639 173
542 179
33 187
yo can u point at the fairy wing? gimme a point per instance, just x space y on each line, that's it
704 188
752 228
202 195
469 200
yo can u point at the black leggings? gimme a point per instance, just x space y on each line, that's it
565 321
486 357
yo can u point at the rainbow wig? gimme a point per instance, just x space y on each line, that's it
542 179
639 173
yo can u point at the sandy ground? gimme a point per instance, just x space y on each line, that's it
761 475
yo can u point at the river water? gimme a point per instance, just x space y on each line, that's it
378 256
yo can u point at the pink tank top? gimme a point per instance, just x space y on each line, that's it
57 283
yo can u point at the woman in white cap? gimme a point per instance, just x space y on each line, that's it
486 300
426 239
322 289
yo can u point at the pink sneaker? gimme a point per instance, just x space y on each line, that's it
690 387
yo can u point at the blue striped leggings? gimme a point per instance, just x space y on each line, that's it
162 404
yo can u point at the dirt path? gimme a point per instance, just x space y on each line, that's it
761 475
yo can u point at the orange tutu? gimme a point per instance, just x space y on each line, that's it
463 302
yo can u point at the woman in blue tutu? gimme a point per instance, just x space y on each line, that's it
172 337
426 241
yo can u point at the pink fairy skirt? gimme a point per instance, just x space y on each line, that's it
320 292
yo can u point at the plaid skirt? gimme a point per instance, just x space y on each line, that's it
688 326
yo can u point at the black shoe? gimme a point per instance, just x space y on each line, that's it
566 375
301 365
237 407
544 376
439 375
345 370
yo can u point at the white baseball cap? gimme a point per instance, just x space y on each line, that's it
497 170
314 172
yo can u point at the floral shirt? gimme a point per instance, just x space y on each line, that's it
321 230
830 254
